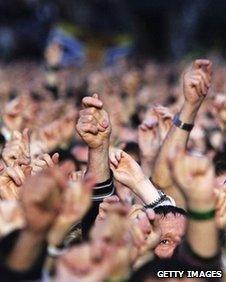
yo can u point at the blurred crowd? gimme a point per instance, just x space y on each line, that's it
102 175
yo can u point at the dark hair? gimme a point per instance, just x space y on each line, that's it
164 210
132 148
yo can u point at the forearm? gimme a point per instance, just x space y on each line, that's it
146 191
203 235
176 138
147 165
26 251
98 163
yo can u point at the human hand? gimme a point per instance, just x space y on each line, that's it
165 118
218 108
41 198
11 180
195 177
93 263
145 229
94 124
76 200
149 138
126 170
53 54
43 161
197 81
104 206
49 135
12 115
17 151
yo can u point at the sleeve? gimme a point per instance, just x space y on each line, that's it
10 275
100 192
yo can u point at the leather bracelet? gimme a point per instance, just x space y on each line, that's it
198 215
182 125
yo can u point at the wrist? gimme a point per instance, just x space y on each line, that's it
145 190
201 206
101 147
98 162
31 235
188 113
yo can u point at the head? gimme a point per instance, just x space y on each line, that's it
172 222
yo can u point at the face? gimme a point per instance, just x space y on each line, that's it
173 228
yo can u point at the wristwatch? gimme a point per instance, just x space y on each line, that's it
182 125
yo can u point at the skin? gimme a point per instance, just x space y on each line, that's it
195 178
94 128
172 229
196 82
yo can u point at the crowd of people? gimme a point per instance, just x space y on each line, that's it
112 173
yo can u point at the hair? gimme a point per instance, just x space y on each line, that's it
132 148
164 210
220 163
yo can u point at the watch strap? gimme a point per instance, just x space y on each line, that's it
182 125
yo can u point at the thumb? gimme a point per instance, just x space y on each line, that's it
55 158
96 96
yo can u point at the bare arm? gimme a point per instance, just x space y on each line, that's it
196 84
195 177
26 251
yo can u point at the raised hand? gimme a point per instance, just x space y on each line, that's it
50 136
126 170
17 151
145 229
93 263
41 198
43 161
197 81
218 108
53 55
195 177
12 115
11 181
164 120
104 206
149 138
94 124
76 200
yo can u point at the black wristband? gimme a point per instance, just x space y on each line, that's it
185 126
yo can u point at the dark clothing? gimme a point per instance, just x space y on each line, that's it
10 275
100 192
184 259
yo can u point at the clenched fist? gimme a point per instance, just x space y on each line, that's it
197 81
94 124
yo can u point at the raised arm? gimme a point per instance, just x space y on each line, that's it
195 178
94 128
40 200
196 83
127 171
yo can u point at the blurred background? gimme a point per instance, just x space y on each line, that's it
160 29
